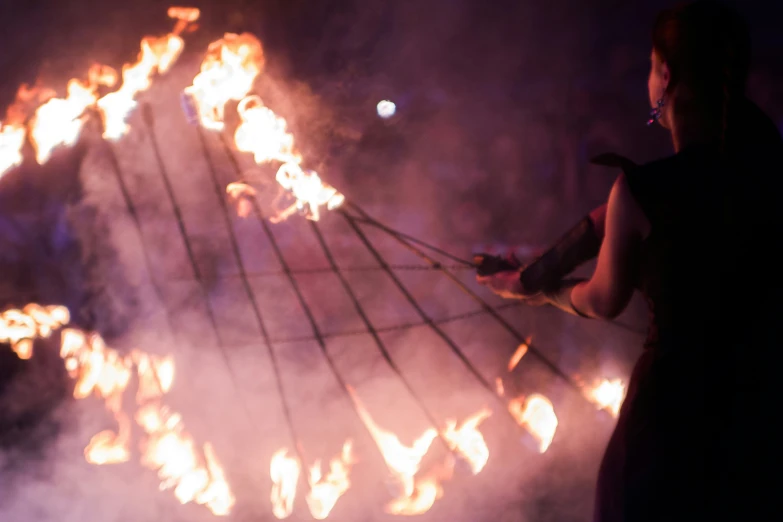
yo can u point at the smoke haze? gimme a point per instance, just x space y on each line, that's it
499 107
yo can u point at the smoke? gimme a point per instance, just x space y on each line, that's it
498 109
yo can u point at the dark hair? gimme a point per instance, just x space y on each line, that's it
706 46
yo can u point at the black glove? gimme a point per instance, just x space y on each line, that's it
487 264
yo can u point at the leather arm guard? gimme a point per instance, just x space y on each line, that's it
577 246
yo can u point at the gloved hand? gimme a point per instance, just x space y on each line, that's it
501 275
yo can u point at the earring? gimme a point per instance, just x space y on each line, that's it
656 113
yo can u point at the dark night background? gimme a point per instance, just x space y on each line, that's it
533 88
500 105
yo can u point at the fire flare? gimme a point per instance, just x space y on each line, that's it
609 395
228 71
284 471
11 142
427 491
195 476
157 54
263 133
326 491
308 189
20 327
518 354
404 463
58 121
536 414
468 441
243 194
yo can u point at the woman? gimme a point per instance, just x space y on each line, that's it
698 233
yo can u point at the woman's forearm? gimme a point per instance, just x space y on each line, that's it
563 297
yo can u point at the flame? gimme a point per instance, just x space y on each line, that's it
12 139
284 471
195 476
108 447
185 16
243 194
324 492
308 189
499 388
518 354
428 489
20 328
609 395
536 414
13 130
263 133
228 71
59 121
403 462
468 441
157 54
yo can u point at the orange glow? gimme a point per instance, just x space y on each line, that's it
536 414
518 354
326 491
157 55
59 121
263 133
20 327
284 471
308 190
468 441
609 395
228 71
403 462
12 139
243 196
55 122
195 475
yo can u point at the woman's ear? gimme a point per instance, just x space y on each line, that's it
665 76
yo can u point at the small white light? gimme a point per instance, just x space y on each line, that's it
386 108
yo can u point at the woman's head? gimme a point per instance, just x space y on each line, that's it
700 61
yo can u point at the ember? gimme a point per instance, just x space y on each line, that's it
518 354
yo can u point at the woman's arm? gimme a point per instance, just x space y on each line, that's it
606 294
598 215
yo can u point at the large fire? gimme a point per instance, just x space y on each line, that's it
50 122
98 370
419 491
191 470
324 491
194 474
228 73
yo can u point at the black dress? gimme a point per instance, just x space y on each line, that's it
695 436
